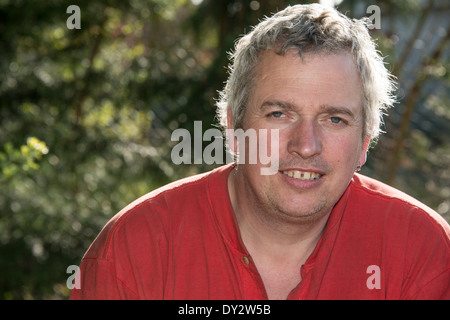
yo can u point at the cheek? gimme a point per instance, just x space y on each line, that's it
343 151
340 149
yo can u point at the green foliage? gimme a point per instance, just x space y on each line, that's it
25 159
87 100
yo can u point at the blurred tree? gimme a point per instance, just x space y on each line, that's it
89 99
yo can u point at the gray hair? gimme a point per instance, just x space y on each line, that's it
309 29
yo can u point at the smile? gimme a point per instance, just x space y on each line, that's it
302 175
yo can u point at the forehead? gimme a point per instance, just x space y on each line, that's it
309 80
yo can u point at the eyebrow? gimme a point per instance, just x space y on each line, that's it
281 104
329 109
337 110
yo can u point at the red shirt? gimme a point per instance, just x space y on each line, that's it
182 241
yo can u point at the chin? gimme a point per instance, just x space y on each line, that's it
300 211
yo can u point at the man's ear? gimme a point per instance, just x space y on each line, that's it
365 148
232 142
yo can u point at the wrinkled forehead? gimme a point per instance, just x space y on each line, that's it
333 70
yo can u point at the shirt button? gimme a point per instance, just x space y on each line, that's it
245 260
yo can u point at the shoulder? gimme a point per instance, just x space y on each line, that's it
406 228
150 217
386 199
384 193
416 236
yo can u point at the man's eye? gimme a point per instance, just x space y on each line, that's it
336 120
276 114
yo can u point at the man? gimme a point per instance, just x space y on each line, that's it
312 230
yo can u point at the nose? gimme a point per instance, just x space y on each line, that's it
304 139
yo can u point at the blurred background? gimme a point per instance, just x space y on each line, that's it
86 115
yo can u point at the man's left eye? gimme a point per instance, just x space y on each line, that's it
276 114
336 120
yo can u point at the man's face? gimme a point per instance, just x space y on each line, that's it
316 103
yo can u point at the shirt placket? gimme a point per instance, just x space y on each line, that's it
252 284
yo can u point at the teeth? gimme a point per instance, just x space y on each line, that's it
302 175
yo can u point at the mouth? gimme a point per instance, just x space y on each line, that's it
302 175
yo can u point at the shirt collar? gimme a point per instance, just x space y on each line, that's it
222 210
